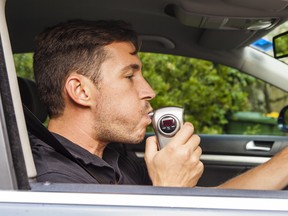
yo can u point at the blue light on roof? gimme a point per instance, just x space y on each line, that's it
263 44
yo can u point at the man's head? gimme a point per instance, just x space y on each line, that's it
75 46
89 72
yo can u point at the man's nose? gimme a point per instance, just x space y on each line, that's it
146 91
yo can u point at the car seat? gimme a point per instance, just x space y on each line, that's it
30 98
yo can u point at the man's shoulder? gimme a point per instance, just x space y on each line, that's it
54 166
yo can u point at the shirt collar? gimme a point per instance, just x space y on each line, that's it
110 156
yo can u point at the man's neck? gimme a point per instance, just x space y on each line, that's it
77 134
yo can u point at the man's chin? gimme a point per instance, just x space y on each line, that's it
137 140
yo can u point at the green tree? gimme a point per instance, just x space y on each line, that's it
24 65
208 92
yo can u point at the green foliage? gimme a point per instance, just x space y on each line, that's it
24 65
208 92
253 130
282 46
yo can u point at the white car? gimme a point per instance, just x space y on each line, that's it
218 31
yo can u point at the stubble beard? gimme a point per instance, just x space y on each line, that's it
115 127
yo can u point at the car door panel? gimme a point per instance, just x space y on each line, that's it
226 156
242 144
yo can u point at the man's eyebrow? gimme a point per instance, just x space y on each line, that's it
133 67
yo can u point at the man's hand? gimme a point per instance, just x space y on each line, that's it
178 163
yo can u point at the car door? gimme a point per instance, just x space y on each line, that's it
226 156
249 135
21 195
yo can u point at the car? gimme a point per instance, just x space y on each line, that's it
221 32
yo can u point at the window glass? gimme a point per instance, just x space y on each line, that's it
217 99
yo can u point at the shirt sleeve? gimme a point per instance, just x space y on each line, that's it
140 169
57 177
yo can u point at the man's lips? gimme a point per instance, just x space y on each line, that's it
151 114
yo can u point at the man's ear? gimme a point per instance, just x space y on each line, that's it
78 89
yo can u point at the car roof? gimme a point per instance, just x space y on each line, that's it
168 26
215 30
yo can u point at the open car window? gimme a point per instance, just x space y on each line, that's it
217 99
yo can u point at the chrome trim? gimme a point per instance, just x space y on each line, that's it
251 160
251 146
227 159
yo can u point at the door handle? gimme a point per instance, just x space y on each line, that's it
251 146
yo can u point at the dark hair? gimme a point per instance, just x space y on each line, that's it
74 46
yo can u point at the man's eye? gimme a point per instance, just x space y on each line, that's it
130 76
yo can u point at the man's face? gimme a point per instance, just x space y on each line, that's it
122 97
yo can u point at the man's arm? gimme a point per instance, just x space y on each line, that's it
178 164
272 175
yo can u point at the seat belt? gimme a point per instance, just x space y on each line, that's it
35 127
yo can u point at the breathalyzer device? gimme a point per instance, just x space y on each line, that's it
166 122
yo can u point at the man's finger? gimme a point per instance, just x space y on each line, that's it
151 148
183 135
193 142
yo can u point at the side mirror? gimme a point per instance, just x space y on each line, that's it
280 45
283 119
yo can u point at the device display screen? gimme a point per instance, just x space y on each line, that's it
168 122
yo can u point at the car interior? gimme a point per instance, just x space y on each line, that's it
215 30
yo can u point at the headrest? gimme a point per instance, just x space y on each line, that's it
30 98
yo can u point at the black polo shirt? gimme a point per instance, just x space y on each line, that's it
116 166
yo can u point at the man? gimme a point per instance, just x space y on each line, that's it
89 77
